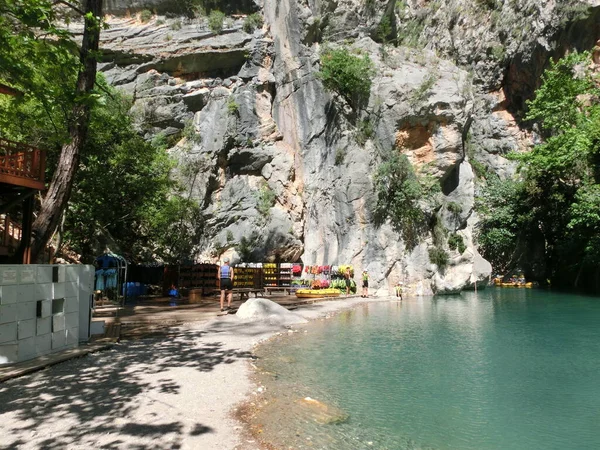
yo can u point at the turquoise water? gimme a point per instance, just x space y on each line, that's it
500 369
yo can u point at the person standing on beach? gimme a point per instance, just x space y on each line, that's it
348 282
365 284
226 283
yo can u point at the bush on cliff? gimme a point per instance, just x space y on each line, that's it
398 193
215 21
348 74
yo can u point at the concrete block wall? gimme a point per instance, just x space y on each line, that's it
43 309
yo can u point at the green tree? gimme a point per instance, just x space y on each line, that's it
559 194
348 74
30 36
398 193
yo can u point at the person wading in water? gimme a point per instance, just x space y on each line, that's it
226 283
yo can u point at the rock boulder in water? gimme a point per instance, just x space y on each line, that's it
262 309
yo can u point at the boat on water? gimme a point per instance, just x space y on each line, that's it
518 285
317 293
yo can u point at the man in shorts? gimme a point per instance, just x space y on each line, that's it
365 284
226 283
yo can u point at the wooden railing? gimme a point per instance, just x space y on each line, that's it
22 165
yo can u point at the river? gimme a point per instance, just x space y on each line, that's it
503 368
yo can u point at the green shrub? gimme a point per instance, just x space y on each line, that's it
398 192
454 208
252 22
439 257
190 133
384 30
266 199
348 74
160 22
340 155
455 242
498 52
232 107
364 132
146 15
176 25
215 21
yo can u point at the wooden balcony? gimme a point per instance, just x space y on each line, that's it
22 165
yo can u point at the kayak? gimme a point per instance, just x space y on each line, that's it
317 293
519 285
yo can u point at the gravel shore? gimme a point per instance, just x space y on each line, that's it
176 391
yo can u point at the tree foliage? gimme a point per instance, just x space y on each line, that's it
560 192
347 73
398 193
122 194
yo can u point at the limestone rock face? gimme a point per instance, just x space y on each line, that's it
283 168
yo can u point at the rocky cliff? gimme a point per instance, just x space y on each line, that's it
283 168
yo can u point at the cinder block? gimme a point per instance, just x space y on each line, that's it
72 337
8 332
26 310
46 308
71 273
9 294
44 274
8 313
86 277
9 353
62 273
9 275
58 322
43 326
71 289
27 275
26 348
72 320
43 344
58 290
71 304
26 329
26 292
43 291
59 339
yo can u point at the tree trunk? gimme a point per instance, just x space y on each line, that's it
59 191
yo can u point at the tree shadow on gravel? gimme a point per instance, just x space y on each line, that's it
101 400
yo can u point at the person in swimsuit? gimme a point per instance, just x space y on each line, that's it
226 283
365 284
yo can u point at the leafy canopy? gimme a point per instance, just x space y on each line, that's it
559 195
398 191
347 73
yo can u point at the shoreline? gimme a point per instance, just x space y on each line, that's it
248 336
180 390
